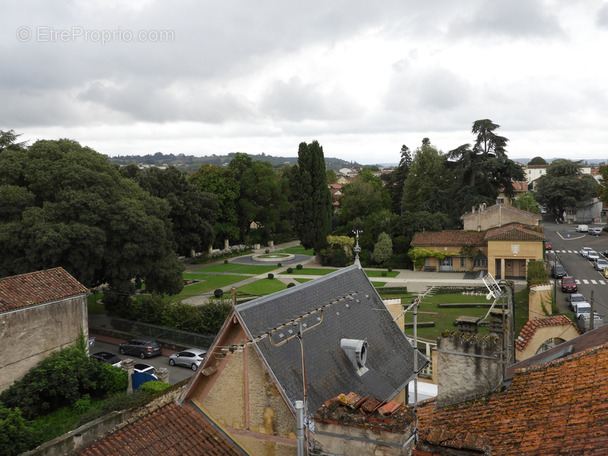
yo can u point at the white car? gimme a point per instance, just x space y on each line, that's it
592 255
585 251
191 357
142 367
582 228
601 264
581 308
576 298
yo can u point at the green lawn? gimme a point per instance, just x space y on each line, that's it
297 250
380 273
239 268
312 271
213 282
263 287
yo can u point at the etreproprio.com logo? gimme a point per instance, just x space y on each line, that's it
48 34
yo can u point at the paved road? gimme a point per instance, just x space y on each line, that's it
176 374
567 243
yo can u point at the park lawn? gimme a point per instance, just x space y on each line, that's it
263 287
302 280
212 283
442 317
196 275
95 307
313 271
239 268
297 250
380 273
378 284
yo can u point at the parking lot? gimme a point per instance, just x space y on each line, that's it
176 374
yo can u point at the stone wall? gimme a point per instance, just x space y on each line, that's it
29 335
494 216
467 366
539 301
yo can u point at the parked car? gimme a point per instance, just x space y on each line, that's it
601 264
107 357
584 321
606 273
575 298
142 367
548 245
140 346
582 228
558 271
594 231
582 308
592 255
585 251
192 358
569 285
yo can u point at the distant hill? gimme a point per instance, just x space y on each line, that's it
191 163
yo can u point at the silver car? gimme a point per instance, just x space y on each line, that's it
191 357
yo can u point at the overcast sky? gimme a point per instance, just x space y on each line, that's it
361 77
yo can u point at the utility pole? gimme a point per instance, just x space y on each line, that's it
591 314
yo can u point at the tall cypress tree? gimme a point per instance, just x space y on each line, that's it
311 197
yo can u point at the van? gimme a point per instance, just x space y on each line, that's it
582 228
581 308
584 321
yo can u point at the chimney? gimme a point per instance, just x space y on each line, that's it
467 324
468 366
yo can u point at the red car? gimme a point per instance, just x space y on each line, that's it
569 285
547 245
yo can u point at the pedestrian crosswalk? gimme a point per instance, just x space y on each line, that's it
590 282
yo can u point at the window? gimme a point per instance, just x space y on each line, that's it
481 261
463 262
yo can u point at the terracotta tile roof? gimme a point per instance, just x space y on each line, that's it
456 238
171 430
555 408
366 412
503 207
24 290
513 232
529 329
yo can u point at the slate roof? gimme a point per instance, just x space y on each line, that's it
555 408
171 430
530 328
24 290
513 232
343 304
456 238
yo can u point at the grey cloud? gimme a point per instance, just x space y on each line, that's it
295 100
510 18
602 16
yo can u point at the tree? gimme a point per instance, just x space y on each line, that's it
192 211
311 198
222 183
383 249
527 202
428 180
260 200
537 161
76 211
396 179
8 141
562 189
484 170
364 196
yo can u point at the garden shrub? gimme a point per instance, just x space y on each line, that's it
218 293
154 386
15 432
291 284
289 270
60 380
536 273
299 267
270 275
280 265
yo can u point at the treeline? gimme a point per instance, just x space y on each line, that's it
62 204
